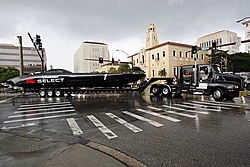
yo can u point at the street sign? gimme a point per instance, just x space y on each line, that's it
205 48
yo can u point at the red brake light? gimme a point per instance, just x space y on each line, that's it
30 80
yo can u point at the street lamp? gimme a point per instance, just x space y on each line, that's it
240 20
126 54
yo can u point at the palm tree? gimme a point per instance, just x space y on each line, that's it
162 72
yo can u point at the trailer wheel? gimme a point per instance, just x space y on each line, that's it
42 93
165 91
50 93
155 90
58 93
218 94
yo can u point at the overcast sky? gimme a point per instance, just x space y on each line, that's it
121 24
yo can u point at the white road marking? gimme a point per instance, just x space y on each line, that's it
215 104
39 118
203 107
182 109
42 104
226 103
154 123
173 112
41 113
42 109
21 126
123 122
37 107
159 115
3 101
107 132
74 126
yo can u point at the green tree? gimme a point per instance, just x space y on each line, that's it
7 73
112 70
239 62
124 68
162 72
218 57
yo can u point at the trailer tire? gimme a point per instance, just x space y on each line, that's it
58 93
218 94
50 93
155 90
42 93
165 91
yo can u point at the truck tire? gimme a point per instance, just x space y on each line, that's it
218 94
165 91
58 93
50 93
42 93
155 90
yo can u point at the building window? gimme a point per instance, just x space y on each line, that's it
197 56
143 59
220 40
186 54
202 56
137 60
158 56
174 71
163 54
153 73
153 57
173 52
180 53
192 56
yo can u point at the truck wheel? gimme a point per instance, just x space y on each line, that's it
50 93
155 90
58 93
166 91
42 93
218 94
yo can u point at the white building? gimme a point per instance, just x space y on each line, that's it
220 37
246 23
9 57
89 50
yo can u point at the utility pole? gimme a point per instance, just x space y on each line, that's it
20 55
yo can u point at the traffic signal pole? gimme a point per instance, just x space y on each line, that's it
41 56
20 55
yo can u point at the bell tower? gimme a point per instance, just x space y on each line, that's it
151 36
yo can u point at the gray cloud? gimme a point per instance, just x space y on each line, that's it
63 25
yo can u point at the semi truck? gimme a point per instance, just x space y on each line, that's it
202 79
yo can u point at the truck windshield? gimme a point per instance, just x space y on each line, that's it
216 69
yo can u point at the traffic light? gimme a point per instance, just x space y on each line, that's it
214 46
40 46
194 49
38 39
113 60
100 59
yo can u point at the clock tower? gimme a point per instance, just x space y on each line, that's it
151 36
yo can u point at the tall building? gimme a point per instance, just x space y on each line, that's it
9 57
246 23
220 37
89 50
165 56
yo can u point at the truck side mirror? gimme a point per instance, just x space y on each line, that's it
206 71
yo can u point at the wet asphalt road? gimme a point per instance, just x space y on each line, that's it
158 131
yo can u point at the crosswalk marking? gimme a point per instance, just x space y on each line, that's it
182 109
226 103
215 104
39 107
107 132
173 112
203 107
20 126
159 115
39 118
154 123
41 113
74 126
43 104
43 109
123 122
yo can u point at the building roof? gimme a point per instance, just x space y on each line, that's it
216 33
163 44
98 43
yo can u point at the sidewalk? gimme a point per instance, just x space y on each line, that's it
21 150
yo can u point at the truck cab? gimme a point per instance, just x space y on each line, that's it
203 79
